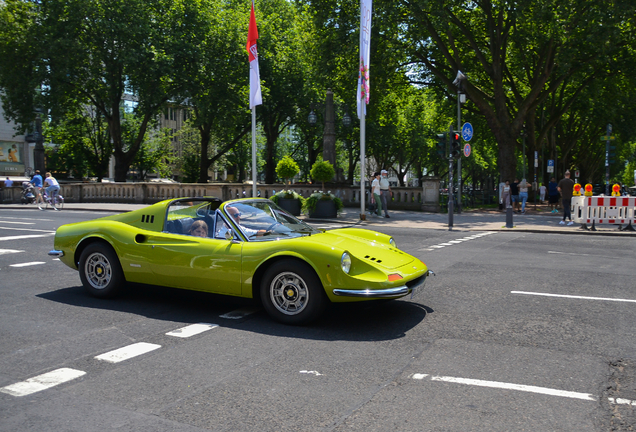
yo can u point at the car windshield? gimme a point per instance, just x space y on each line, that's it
262 220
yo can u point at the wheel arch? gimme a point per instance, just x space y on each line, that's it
84 243
257 278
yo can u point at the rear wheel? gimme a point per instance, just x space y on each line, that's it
292 293
100 271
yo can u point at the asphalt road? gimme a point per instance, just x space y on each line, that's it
518 331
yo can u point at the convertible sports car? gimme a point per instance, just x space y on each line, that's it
246 247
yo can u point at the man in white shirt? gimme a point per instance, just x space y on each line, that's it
376 191
386 192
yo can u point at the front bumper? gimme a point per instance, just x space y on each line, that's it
396 292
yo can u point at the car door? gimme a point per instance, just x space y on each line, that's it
181 260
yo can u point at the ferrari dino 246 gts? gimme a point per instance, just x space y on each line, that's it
248 248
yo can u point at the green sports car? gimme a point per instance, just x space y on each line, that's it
246 247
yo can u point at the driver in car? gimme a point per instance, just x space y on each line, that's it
236 214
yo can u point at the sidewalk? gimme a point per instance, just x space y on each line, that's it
537 221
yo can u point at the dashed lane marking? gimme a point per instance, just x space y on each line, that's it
16 223
22 237
28 264
240 313
27 229
621 401
127 352
191 330
9 251
42 382
573 296
456 241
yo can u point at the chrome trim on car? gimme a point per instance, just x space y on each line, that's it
384 293
56 253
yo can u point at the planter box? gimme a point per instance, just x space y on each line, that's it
290 205
325 209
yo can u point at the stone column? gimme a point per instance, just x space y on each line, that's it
329 136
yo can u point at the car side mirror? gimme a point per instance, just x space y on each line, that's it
229 234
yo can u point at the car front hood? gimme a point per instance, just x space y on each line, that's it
373 252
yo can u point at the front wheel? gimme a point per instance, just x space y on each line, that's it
292 293
100 271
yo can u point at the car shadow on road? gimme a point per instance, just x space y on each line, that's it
361 321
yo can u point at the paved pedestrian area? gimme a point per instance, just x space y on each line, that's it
537 219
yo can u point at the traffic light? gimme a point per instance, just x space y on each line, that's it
441 145
455 151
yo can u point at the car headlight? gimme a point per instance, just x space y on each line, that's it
392 242
345 262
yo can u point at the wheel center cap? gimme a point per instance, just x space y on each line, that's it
291 293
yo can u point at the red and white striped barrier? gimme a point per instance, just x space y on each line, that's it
603 210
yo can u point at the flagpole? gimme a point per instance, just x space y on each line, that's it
363 177
253 152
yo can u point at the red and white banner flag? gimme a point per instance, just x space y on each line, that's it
256 97
365 54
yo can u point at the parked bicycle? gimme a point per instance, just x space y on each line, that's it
56 202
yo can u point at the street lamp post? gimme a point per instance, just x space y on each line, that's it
38 151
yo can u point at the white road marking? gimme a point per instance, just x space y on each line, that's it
510 386
456 241
22 237
567 253
42 382
239 313
127 352
8 251
191 330
27 229
16 223
573 296
310 372
621 401
28 264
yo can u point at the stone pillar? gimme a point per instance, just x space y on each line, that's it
430 194
329 136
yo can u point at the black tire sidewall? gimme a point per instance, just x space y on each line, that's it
317 297
117 280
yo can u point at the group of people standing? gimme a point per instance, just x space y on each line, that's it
380 193
50 184
515 195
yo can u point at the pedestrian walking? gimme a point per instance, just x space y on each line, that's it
36 180
375 187
8 183
553 195
386 193
566 187
523 194
542 191
514 194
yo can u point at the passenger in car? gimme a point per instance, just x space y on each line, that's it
199 229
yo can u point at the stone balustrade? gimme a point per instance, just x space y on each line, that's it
404 198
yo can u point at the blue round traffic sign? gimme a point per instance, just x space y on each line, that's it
467 131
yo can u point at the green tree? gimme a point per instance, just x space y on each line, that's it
287 168
322 171
96 53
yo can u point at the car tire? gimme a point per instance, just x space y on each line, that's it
100 270
291 293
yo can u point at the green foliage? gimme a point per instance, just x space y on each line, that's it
288 194
287 168
310 203
322 171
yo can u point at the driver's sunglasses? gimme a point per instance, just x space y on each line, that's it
236 214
